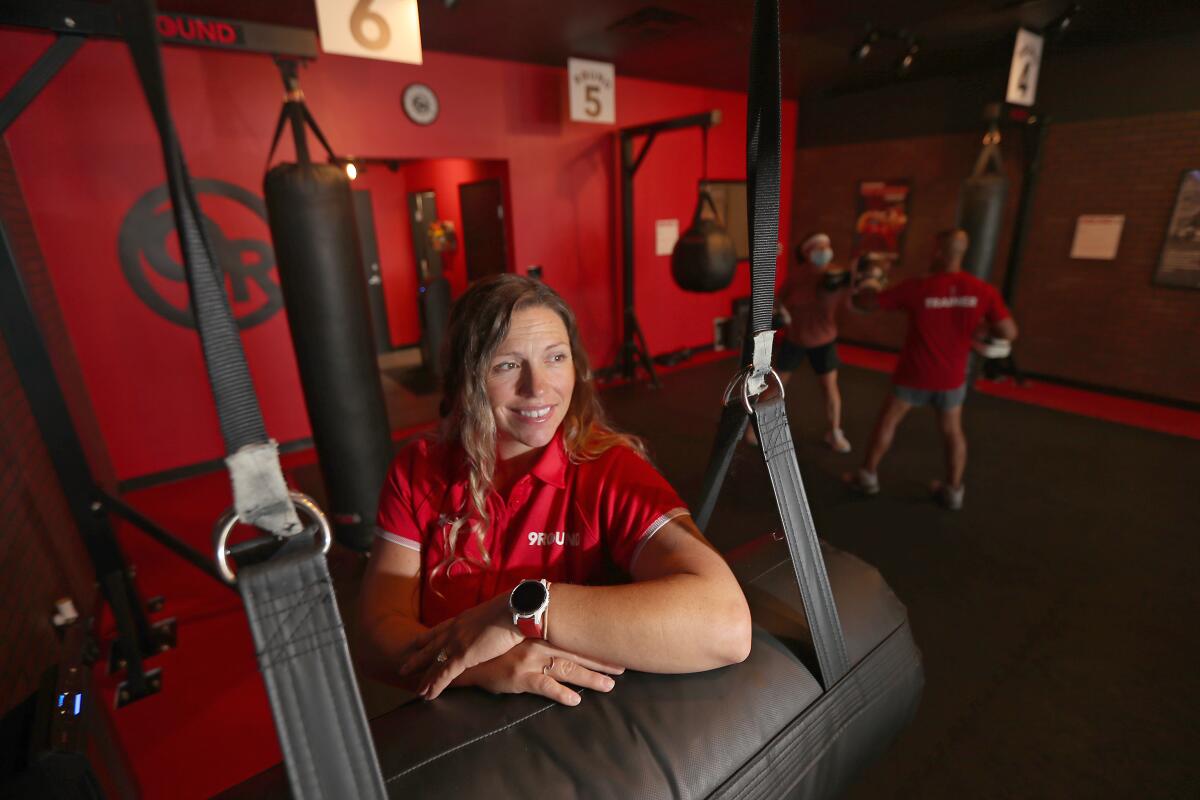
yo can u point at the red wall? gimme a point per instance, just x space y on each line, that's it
85 150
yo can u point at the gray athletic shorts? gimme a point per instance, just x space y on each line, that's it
942 401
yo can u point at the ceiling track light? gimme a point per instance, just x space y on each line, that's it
1059 26
863 48
348 165
906 61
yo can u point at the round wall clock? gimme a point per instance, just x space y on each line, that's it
420 103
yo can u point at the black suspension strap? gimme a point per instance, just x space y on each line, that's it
295 111
749 394
298 633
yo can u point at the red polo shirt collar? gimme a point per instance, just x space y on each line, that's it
550 467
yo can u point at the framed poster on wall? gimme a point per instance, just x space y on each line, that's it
1179 262
882 219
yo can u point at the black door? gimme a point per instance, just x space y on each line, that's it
484 239
370 253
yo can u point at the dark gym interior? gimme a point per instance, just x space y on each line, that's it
272 207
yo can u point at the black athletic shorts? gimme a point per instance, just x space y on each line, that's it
823 359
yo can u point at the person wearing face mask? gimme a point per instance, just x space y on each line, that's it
808 301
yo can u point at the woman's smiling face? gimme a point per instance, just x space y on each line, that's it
530 381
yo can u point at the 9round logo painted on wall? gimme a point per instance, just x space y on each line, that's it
148 250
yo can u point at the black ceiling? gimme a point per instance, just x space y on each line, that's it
705 42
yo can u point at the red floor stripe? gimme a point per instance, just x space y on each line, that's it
1138 413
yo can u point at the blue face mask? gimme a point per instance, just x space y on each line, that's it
819 258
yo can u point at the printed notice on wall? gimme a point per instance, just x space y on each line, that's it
666 234
1097 236
1026 63
593 90
384 29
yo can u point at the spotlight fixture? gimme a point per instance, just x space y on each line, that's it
1060 25
906 61
351 170
863 48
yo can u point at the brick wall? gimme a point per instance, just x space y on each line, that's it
1105 322
1098 322
825 197
41 554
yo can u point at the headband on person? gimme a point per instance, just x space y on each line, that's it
814 240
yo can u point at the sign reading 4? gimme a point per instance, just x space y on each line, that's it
1023 74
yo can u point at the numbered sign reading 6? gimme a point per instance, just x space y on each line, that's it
593 89
383 29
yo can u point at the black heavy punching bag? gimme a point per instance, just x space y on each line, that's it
981 207
704 258
311 213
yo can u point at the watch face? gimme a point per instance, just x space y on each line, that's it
528 597
420 103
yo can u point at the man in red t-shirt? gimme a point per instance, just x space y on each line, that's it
945 311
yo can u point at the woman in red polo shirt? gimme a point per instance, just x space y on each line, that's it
530 546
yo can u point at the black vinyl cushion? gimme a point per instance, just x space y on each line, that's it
762 728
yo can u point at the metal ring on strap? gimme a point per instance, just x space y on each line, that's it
740 378
229 519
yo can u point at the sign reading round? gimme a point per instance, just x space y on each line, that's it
420 103
593 91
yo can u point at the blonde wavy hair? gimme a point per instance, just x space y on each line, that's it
479 323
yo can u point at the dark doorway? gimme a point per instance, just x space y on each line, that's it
365 217
484 239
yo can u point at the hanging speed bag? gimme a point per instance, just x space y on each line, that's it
311 212
704 258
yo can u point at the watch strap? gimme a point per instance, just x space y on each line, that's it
530 627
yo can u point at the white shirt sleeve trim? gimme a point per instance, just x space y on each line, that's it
400 540
653 528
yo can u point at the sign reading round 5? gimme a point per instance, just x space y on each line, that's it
593 91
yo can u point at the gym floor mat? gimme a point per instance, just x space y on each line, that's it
1055 611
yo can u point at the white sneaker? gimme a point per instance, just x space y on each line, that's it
837 441
862 481
948 497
